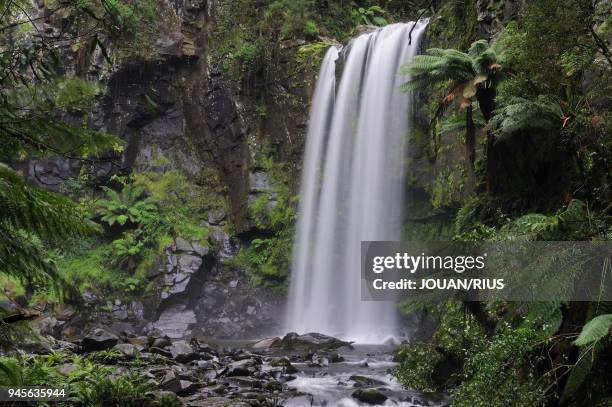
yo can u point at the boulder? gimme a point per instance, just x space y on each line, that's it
183 352
160 351
312 342
98 339
285 364
66 368
216 216
172 382
138 341
127 349
244 367
365 381
369 396
243 381
267 343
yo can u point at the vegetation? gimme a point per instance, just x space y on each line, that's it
268 259
88 380
469 77
536 96
541 177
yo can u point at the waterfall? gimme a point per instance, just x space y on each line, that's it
352 184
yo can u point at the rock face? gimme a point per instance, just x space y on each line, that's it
493 14
196 290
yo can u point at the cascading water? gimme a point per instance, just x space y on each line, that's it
352 184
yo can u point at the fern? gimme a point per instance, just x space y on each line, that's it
10 373
29 215
127 206
520 115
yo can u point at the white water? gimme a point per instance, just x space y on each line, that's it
352 185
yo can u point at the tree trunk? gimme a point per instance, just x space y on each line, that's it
470 148
486 101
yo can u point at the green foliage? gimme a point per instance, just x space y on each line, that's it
373 15
520 116
569 223
311 31
91 383
456 337
464 72
129 206
544 58
100 390
268 259
417 365
503 373
247 53
594 330
10 372
131 24
86 264
27 216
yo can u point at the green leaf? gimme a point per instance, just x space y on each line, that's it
594 330
121 219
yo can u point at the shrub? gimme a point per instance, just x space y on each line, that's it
311 31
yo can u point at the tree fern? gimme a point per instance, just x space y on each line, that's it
28 214
467 77
521 115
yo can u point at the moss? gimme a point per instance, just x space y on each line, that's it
308 57
86 265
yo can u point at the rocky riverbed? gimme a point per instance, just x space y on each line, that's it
296 370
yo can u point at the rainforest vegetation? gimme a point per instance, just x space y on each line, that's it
109 184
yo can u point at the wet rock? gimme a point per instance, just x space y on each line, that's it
334 358
99 339
44 325
139 342
312 342
182 245
364 381
216 216
66 347
244 381
260 182
126 349
66 314
175 321
216 389
183 352
244 367
274 385
172 382
369 396
222 243
66 369
318 361
159 341
205 364
267 343
159 351
285 364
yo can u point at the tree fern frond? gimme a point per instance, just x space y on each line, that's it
45 213
10 373
520 115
